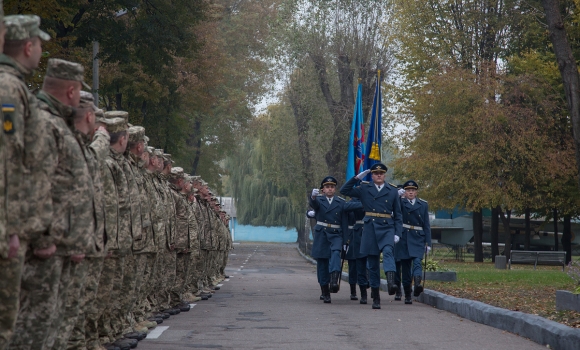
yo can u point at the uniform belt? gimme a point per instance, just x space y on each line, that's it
359 222
418 228
324 224
350 227
378 215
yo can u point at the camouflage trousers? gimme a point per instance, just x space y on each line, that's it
225 258
147 272
119 321
38 301
194 273
10 279
71 292
163 279
87 304
205 257
180 278
108 302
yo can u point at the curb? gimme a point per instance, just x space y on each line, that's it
535 328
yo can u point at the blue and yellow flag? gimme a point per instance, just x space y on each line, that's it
356 143
373 148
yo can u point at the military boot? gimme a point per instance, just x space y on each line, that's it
398 293
326 293
408 295
376 297
393 288
418 287
363 294
334 276
321 292
353 292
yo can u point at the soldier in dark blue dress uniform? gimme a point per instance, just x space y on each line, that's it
382 225
357 262
331 225
415 239
398 261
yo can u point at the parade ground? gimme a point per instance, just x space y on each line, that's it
271 301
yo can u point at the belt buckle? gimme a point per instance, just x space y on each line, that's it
412 227
328 225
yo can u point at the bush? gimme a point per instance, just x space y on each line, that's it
574 273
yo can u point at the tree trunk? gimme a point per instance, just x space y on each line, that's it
505 219
478 236
555 229
118 101
194 140
567 238
528 229
494 232
567 66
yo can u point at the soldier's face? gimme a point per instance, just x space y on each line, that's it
34 53
378 177
411 193
329 190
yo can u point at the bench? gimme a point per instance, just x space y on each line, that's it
537 258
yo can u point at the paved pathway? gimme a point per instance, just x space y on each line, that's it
271 302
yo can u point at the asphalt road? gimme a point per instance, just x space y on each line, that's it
271 302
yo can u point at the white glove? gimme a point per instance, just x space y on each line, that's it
311 214
401 191
428 249
363 174
315 192
397 239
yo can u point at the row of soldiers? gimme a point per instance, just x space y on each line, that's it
101 238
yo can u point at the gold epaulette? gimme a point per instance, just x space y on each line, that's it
395 186
365 182
341 198
422 200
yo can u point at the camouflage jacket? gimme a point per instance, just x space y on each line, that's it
72 188
170 209
193 228
196 207
98 198
117 206
157 204
27 180
181 217
146 244
134 198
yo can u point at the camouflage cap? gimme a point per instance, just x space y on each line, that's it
116 125
158 152
100 116
87 101
150 150
167 156
177 173
117 114
66 70
136 134
146 139
22 27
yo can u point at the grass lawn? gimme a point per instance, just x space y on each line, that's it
520 289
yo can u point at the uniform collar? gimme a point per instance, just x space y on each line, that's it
20 69
56 107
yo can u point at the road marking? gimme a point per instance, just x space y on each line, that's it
221 284
227 280
236 243
236 272
239 270
156 333
241 267
232 254
191 306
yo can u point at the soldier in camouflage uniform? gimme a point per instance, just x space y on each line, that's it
26 187
118 231
95 147
195 267
145 251
177 183
45 282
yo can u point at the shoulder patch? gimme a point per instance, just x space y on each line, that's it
8 120
422 200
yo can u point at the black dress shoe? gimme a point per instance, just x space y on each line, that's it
111 347
157 320
226 276
204 297
163 315
184 307
135 335
172 312
126 344
217 288
408 300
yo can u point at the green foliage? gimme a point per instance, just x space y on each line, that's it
431 265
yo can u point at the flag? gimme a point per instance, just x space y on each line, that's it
373 147
356 144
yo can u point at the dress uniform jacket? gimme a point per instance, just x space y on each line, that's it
357 223
412 243
378 231
328 238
